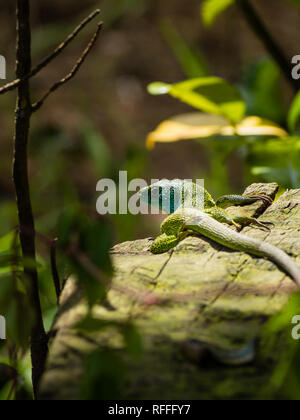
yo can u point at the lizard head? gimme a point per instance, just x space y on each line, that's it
164 195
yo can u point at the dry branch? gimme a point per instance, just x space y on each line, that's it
16 83
74 71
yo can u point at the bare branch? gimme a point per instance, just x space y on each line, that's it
74 71
39 348
16 83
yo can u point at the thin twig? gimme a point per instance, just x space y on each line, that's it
16 83
54 270
60 83
258 26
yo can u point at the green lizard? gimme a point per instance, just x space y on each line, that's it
180 199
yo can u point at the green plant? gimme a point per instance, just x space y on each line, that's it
267 141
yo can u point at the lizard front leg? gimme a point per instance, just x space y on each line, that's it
238 200
171 234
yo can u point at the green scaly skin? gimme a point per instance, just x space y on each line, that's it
210 221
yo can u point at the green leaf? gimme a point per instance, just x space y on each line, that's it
97 148
262 91
294 114
209 94
159 88
7 241
193 63
211 9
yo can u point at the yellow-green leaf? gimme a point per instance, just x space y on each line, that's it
212 95
294 114
211 9
159 88
198 125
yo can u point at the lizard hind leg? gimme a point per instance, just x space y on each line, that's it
246 220
165 243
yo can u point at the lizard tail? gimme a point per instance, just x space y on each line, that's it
280 258
210 228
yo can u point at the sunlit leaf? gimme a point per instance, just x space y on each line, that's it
256 126
198 125
7 241
159 88
294 114
208 94
211 9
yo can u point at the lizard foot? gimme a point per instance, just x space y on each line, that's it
265 225
244 221
254 198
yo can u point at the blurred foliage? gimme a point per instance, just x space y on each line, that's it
211 9
106 369
193 63
260 86
272 159
278 338
98 129
86 243
208 94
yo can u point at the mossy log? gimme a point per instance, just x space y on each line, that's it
199 292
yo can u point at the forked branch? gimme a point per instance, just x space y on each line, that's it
74 71
16 83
